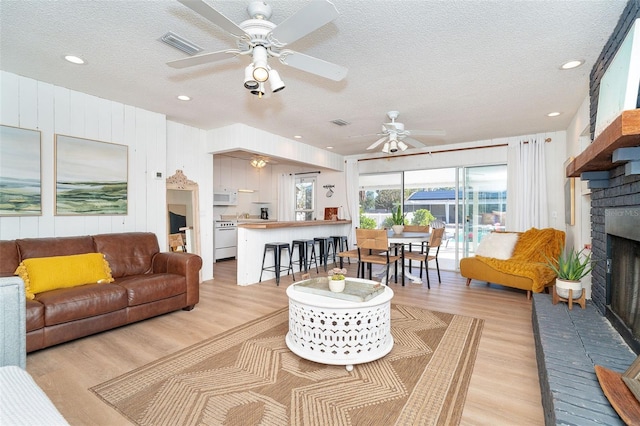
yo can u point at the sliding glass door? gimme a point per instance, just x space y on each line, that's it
379 194
471 201
483 204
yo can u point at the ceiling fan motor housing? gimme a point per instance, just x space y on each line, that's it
259 10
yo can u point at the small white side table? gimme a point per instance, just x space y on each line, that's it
339 332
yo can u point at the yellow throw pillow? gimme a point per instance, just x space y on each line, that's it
49 273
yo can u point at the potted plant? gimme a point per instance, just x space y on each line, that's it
337 279
397 218
570 267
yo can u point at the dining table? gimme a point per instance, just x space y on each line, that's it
398 241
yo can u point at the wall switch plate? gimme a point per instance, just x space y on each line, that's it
158 175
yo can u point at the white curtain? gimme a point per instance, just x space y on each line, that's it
527 185
286 197
352 209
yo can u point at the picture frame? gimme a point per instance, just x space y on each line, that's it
631 378
91 177
569 198
20 171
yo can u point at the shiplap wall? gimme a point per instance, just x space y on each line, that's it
32 104
187 151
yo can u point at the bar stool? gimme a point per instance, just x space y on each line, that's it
306 254
340 244
325 244
277 256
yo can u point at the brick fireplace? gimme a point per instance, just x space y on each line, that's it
615 221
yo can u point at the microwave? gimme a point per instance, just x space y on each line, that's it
225 197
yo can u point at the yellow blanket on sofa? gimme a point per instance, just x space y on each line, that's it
528 258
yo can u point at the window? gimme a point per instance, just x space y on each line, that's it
380 194
305 198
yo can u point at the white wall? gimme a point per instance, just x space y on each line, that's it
32 104
186 151
242 137
579 234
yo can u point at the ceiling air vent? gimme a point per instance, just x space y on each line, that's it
179 43
340 122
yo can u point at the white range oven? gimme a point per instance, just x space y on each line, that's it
225 239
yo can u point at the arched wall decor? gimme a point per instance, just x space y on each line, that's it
182 191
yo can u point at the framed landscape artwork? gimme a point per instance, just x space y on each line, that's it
20 173
91 177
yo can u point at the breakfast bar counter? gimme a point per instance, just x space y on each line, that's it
252 237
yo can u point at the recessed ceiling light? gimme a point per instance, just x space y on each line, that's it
571 64
297 137
329 147
184 98
553 114
74 59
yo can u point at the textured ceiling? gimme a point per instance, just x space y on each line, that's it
476 69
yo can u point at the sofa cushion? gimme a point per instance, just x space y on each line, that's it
49 273
69 304
35 315
498 245
128 253
9 258
149 288
57 246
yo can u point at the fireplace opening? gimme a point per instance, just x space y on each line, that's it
623 273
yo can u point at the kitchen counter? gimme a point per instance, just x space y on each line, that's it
253 235
267 224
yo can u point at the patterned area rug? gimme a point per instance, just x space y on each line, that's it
248 376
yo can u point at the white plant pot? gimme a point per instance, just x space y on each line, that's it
337 286
397 229
563 287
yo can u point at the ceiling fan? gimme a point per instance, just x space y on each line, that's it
262 39
395 137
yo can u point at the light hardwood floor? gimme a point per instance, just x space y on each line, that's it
504 388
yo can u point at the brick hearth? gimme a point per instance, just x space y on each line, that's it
569 343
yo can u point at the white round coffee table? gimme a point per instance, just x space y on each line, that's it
332 331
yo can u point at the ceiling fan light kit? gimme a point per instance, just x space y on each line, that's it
395 137
249 82
258 162
258 91
263 39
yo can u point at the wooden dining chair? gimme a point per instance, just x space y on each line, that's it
421 247
373 248
427 254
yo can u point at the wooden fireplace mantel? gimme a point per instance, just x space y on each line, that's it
622 133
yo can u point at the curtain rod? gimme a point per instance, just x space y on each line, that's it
308 173
447 150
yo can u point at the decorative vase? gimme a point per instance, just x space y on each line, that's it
397 229
563 287
337 286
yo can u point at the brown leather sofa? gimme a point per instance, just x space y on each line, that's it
147 283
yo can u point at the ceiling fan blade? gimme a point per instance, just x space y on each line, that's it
308 19
378 142
414 143
313 65
203 58
428 132
216 17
